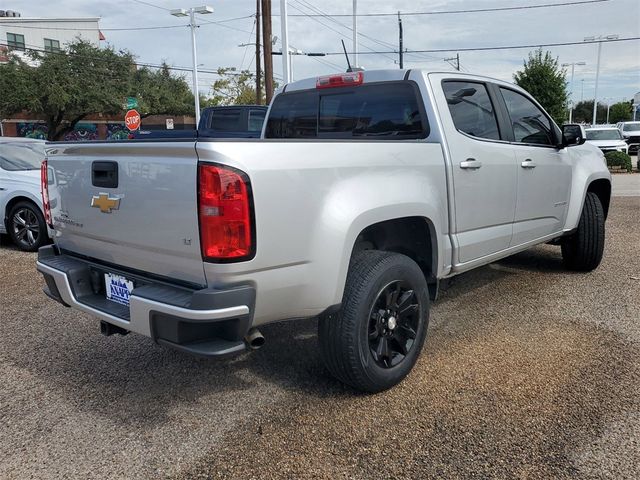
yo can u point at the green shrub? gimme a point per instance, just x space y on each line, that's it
618 159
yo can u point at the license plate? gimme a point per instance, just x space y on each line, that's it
117 288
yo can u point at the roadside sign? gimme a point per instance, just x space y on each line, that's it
169 122
132 102
132 120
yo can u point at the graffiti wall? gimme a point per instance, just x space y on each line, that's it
117 131
82 131
32 130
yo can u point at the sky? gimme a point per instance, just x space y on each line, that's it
218 43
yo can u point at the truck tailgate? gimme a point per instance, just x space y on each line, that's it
147 220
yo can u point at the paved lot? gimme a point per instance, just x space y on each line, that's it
528 371
626 184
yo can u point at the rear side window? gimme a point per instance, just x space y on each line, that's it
530 124
226 120
293 115
256 119
471 109
378 111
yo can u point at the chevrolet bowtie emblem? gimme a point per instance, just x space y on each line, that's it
104 203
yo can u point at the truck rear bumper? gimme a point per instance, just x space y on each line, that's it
207 322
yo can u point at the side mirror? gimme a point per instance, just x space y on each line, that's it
573 134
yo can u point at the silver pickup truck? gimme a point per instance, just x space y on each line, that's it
365 190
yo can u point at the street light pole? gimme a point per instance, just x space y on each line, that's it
191 13
573 67
600 39
196 94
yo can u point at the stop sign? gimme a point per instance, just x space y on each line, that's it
132 120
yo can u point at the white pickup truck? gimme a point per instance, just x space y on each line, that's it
364 191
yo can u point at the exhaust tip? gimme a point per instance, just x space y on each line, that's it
254 339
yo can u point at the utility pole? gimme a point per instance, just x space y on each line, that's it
258 70
266 43
284 19
456 59
400 59
355 33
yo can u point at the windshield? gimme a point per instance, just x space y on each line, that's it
631 127
609 134
21 156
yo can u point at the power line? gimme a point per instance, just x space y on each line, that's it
446 12
480 49
313 17
138 63
244 55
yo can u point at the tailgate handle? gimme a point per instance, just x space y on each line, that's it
104 174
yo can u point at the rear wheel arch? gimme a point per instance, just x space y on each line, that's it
413 236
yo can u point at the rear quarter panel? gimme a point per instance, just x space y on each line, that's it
312 199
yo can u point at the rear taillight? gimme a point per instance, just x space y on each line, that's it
225 214
340 80
44 189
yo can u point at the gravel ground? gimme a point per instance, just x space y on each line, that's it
528 371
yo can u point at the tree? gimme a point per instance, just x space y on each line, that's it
234 88
65 87
621 112
160 93
583 112
543 78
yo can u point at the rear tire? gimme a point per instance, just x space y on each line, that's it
373 342
26 226
583 250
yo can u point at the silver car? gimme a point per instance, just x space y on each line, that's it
20 197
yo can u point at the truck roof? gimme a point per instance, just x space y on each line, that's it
389 75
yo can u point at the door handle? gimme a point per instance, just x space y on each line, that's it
528 163
471 163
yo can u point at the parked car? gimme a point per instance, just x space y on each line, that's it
366 190
631 133
236 121
20 198
607 139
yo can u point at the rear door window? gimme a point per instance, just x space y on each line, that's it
390 110
471 109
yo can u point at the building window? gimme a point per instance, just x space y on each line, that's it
15 41
51 45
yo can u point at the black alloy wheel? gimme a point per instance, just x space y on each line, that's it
27 228
393 324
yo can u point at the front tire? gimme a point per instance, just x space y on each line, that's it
583 250
27 227
374 341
